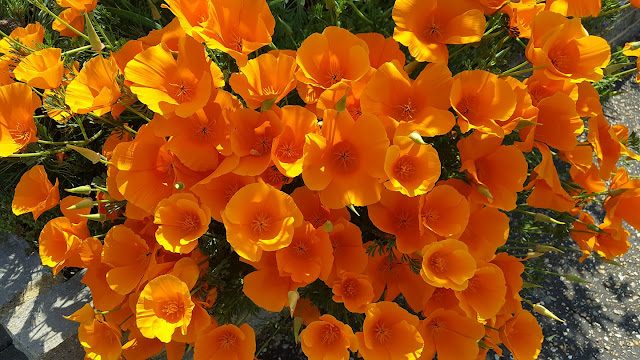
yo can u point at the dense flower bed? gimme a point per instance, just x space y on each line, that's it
368 192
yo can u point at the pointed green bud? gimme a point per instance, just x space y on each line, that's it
615 192
613 68
546 219
484 191
539 309
547 248
328 226
82 190
287 29
154 11
534 254
297 326
524 123
95 217
417 138
528 285
93 156
597 229
293 297
94 39
352 208
634 45
268 104
179 186
341 105
86 203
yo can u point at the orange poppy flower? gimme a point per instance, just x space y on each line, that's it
354 290
169 35
72 17
512 269
216 192
524 111
314 211
42 69
389 332
260 218
548 192
200 321
612 244
95 89
207 131
308 257
588 178
34 193
169 86
334 57
274 177
522 336
422 103
226 342
451 335
328 338
444 211
79 5
164 306
305 310
104 298
588 102
541 86
287 148
606 146
520 16
236 28
635 3
448 264
397 214
349 255
486 293
566 49
100 340
500 169
139 347
413 169
381 49
17 128
482 100
59 242
265 287
265 78
346 162
74 215
442 298
624 206
182 220
252 139
575 8
425 27
488 229
128 255
29 36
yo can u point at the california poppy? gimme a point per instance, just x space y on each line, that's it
265 78
346 162
169 86
622 206
260 218
451 335
444 211
486 293
605 144
522 336
328 338
287 148
488 229
560 122
315 212
226 342
182 220
75 215
17 128
104 298
236 28
575 8
95 89
59 243
426 27
308 257
42 69
349 255
72 17
512 269
79 5
548 192
163 307
520 16
381 49
128 255
215 192
448 264
35 193
325 60
266 287
101 340
422 103
389 332
305 310
354 290
29 36
252 139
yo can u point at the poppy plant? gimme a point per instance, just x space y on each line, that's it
42 69
448 264
308 257
95 89
17 128
354 290
226 342
328 338
451 335
34 193
181 221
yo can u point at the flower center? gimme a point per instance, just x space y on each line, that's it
172 311
405 168
431 216
330 333
344 158
350 287
408 110
263 145
181 91
382 333
261 223
404 220
438 264
227 340
288 151
190 222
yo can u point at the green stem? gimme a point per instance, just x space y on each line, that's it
18 43
46 9
125 320
359 13
82 48
515 68
122 126
135 111
108 311
523 71
84 133
39 153
627 72
613 11
459 50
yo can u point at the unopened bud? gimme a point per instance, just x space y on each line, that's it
268 104
546 219
95 217
417 138
86 203
293 297
341 105
484 191
524 123
328 226
93 156
82 190
155 14
547 248
94 39
619 191
287 29
534 254
575 279
179 186
297 326
539 309
634 45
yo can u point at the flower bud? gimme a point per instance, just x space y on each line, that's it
328 226
95 217
94 39
484 191
547 248
539 309
86 203
417 138
293 297
546 219
82 190
179 186
93 156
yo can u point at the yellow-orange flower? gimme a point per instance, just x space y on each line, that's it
169 86
29 36
389 332
381 49
163 307
426 26
287 148
308 257
260 218
520 16
451 335
128 256
412 169
354 290
95 89
349 254
235 27
181 221
41 69
265 287
548 192
101 340
522 336
346 162
17 128
34 193
216 192
575 8
448 264
59 241
226 342
444 211
252 139
328 338
486 293
265 78
72 17
79 5
488 229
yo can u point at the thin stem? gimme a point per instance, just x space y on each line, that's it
515 68
523 71
18 43
135 111
627 72
125 320
82 48
280 326
613 11
46 9
359 13
101 31
122 126
84 133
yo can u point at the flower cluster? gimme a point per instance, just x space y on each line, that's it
222 150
